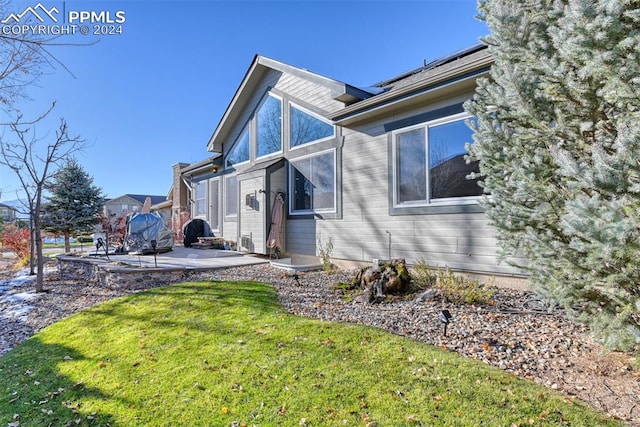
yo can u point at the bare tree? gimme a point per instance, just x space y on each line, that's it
24 58
34 164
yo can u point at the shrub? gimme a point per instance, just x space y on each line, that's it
461 290
557 138
17 240
325 249
422 277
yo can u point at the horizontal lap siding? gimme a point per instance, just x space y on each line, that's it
461 241
311 93
301 236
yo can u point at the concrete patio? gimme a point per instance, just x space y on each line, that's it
142 271
186 258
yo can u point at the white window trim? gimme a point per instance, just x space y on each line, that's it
215 204
194 213
224 198
335 185
312 114
255 118
449 201
246 130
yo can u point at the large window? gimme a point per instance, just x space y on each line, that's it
430 166
313 183
306 128
269 127
240 151
200 199
231 197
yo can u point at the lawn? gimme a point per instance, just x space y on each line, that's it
224 354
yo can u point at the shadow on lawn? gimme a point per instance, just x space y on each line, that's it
39 394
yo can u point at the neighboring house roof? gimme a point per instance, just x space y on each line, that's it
140 198
18 206
260 65
10 211
415 87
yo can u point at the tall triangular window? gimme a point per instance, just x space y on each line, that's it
240 151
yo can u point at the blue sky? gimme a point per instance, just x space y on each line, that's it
153 96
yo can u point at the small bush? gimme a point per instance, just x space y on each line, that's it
461 290
422 277
85 239
325 250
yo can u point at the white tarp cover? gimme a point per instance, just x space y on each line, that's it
142 229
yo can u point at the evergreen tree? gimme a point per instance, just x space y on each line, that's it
558 139
75 204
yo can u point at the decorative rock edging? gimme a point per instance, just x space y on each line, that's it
116 275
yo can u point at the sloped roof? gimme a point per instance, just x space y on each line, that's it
259 67
16 205
429 68
464 65
142 197
202 165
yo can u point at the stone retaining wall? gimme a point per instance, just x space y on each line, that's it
117 276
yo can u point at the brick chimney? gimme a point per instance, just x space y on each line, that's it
180 190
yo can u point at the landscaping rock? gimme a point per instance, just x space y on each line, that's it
383 278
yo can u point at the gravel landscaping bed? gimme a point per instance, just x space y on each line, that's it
513 333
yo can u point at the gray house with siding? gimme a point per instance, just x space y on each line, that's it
379 171
8 213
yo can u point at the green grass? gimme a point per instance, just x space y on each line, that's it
211 354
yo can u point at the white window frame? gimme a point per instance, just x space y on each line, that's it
247 131
214 205
467 200
195 213
256 127
335 185
312 114
227 215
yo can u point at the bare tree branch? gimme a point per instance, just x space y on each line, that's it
34 164
24 59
